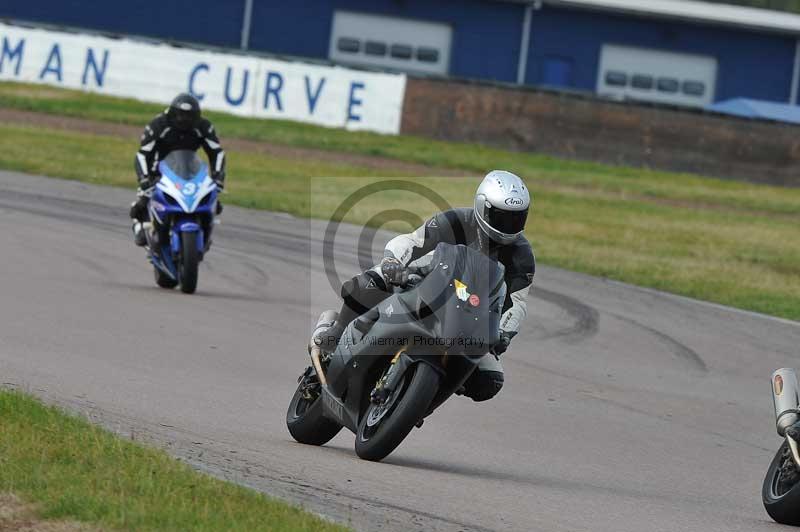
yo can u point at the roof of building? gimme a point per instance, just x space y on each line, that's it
690 10
743 107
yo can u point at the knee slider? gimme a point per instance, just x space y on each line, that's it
364 291
483 385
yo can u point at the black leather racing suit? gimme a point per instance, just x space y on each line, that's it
456 226
160 138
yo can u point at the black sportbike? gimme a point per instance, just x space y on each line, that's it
402 359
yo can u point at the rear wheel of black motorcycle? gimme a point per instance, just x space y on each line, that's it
305 421
407 405
188 263
781 490
163 280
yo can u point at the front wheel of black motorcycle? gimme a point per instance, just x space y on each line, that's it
781 490
304 418
384 426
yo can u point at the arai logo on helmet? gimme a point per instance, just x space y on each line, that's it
514 202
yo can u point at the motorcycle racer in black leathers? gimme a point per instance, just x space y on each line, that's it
180 127
493 226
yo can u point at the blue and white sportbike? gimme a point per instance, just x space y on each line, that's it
182 205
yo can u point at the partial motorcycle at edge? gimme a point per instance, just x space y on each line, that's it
781 489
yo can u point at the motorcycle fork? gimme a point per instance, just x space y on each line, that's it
793 447
391 377
397 368
311 386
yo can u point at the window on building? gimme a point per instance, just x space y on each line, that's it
427 55
348 45
402 51
615 78
694 88
670 85
642 82
375 48
397 43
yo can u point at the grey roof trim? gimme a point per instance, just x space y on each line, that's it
691 11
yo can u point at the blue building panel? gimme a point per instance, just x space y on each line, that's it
202 21
756 65
300 29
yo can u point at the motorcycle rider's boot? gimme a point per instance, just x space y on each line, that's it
139 209
138 214
139 237
328 338
319 337
331 326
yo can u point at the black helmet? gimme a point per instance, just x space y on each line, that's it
184 112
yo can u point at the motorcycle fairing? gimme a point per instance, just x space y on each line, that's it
433 309
187 191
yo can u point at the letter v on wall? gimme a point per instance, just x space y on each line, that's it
313 97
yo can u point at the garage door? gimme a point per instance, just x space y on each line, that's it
657 75
390 42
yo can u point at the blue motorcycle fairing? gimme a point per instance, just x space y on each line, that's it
186 226
187 194
183 196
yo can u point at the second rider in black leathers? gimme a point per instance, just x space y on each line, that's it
180 127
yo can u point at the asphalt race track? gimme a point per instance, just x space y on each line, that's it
624 409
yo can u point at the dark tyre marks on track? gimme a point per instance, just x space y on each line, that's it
585 319
680 350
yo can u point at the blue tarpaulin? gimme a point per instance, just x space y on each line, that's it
779 112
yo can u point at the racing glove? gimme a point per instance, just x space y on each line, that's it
145 182
502 344
393 271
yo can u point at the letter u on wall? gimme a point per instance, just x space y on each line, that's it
236 101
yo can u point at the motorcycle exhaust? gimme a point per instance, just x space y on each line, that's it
785 397
325 321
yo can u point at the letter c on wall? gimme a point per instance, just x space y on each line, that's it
200 67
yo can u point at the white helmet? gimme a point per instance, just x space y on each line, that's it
501 206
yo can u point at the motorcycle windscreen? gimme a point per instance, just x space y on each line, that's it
464 294
184 164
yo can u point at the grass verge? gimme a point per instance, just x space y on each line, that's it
724 241
72 470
